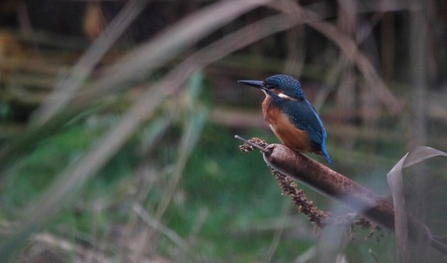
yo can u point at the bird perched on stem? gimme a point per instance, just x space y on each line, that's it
290 115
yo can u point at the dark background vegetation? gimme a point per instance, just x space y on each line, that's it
124 151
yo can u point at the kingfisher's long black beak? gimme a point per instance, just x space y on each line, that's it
253 83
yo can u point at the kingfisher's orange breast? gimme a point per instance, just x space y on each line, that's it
280 124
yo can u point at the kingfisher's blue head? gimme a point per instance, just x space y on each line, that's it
282 85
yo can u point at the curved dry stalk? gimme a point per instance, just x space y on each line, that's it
395 183
349 49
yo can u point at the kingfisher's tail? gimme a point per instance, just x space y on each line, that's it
325 154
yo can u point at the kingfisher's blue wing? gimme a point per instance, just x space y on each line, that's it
303 116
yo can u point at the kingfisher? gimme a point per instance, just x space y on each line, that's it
290 115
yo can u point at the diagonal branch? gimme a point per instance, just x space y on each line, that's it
342 189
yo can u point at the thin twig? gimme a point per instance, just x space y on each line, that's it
159 227
373 256
262 149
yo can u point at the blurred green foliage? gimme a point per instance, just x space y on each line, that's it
236 189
